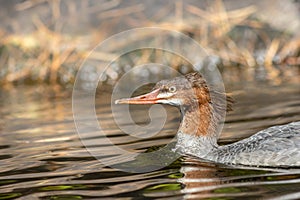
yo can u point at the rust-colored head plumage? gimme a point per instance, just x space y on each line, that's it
194 98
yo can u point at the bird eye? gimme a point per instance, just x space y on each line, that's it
172 89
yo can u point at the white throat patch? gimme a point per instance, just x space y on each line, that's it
174 102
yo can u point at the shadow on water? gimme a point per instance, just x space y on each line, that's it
42 156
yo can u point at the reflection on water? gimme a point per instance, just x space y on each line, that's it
42 156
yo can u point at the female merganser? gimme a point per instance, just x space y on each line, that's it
277 146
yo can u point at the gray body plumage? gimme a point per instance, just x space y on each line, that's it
276 146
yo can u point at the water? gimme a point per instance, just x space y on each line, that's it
42 156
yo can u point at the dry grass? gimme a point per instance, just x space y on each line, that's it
49 55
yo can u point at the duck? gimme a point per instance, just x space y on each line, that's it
201 110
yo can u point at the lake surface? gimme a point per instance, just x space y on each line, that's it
43 157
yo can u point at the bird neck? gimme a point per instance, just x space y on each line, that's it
199 121
197 132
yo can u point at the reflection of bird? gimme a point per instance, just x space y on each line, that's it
202 112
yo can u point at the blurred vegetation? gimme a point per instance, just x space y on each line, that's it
46 41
